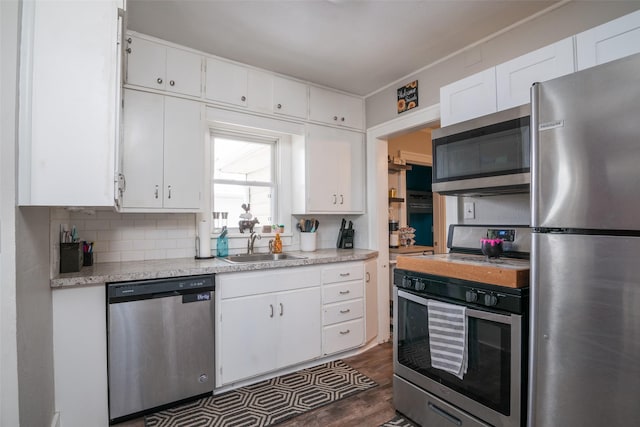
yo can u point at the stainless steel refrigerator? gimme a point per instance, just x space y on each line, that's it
585 292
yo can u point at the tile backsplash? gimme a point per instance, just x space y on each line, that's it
130 237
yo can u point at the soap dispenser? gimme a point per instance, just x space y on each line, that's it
276 245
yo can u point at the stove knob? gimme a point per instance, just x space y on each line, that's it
419 285
471 296
490 300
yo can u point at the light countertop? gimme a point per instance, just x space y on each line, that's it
101 273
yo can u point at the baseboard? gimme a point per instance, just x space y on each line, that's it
55 421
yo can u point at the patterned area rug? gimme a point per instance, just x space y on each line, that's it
398 421
268 402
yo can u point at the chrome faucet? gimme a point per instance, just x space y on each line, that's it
252 239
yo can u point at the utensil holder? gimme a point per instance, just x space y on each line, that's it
307 241
70 257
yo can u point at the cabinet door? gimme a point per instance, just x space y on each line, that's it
323 163
351 168
183 153
335 170
335 108
146 63
515 77
607 42
471 97
300 326
371 298
249 340
184 72
260 91
290 97
226 82
142 149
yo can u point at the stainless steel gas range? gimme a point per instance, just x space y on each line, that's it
461 331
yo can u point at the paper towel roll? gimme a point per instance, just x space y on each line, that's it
204 238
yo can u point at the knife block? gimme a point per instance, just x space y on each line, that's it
345 238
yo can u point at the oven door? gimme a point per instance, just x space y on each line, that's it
491 390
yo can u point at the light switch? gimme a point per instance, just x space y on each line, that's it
469 210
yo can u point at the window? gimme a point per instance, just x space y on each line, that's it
244 173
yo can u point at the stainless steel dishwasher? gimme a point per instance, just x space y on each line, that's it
160 343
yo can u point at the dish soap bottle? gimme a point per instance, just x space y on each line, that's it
222 243
277 244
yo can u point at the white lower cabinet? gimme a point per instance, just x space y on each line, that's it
343 307
80 355
267 320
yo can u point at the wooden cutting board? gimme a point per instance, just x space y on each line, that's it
511 273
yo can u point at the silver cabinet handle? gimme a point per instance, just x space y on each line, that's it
335 118
342 199
156 192
243 98
368 276
345 332
348 310
342 119
345 274
159 80
172 83
271 305
129 40
344 292
279 106
281 309
169 191
335 199
128 50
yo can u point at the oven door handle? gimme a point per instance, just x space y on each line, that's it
471 312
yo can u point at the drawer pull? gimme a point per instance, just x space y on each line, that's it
344 292
345 274
345 311
345 332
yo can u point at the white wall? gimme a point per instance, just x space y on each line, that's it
509 209
9 28
569 19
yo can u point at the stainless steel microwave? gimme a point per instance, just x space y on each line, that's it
485 156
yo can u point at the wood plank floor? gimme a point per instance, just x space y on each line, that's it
369 408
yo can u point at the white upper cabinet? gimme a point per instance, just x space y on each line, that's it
290 97
515 77
471 97
69 96
162 152
227 82
607 42
161 67
328 170
335 108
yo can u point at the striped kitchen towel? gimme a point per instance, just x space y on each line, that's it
448 337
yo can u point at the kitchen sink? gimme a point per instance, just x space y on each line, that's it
245 258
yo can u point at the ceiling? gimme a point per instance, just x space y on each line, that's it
355 46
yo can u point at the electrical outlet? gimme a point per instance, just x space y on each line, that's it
469 210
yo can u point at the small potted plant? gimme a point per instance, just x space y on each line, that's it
491 245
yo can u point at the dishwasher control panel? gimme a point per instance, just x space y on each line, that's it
161 286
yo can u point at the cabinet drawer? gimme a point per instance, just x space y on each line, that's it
341 312
343 336
342 273
342 292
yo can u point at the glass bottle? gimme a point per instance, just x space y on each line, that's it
222 244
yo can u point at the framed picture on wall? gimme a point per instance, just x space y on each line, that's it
408 97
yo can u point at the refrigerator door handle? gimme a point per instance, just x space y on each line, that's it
535 141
